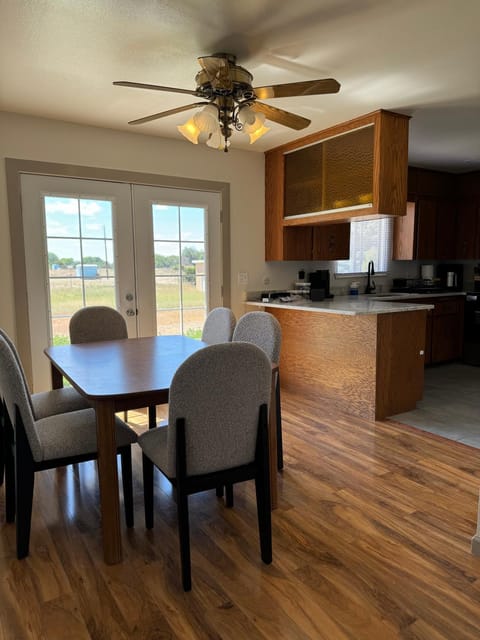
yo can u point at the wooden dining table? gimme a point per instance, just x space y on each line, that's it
119 375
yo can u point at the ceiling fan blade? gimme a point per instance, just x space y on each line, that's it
290 89
155 87
170 112
282 117
217 69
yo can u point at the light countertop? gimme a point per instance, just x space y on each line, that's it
354 305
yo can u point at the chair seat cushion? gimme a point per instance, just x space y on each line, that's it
154 444
73 434
49 403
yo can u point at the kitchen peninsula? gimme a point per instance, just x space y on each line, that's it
359 355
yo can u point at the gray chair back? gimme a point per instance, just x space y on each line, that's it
14 391
15 354
262 329
218 391
219 326
97 324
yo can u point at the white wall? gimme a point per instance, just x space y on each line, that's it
29 138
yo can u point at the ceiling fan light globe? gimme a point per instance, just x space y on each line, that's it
246 116
207 119
215 141
258 123
258 133
190 131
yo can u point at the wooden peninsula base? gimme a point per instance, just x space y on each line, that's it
366 365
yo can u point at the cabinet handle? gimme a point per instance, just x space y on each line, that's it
421 352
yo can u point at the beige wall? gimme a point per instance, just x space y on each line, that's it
28 138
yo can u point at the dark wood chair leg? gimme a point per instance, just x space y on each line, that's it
262 490
182 503
219 491
126 460
147 466
24 481
184 539
3 443
279 424
152 417
229 495
10 492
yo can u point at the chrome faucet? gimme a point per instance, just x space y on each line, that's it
370 288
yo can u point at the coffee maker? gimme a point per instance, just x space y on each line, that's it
319 284
451 276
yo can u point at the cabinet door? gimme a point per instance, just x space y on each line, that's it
426 223
467 230
447 329
446 228
428 338
403 242
297 243
331 242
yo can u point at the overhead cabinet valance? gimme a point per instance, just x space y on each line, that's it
357 169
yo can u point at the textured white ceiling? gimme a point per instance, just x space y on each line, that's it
58 59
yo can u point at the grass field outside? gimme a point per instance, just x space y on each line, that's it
175 304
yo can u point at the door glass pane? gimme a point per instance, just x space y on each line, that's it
81 264
180 268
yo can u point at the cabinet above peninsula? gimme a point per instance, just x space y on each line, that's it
355 170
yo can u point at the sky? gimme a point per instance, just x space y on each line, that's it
173 227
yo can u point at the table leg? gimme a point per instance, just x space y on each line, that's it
57 378
108 481
272 444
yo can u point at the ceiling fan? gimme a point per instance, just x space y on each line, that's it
230 102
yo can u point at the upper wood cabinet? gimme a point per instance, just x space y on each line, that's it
328 242
427 232
354 170
468 226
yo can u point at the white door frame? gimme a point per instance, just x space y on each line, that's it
16 167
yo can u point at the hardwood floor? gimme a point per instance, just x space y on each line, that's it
371 541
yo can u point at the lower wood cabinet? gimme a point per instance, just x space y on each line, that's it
366 365
444 331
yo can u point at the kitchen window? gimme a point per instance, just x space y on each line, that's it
369 240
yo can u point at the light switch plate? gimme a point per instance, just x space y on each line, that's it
242 277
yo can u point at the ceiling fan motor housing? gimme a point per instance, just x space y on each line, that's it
227 79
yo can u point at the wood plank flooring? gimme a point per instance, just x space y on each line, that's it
371 541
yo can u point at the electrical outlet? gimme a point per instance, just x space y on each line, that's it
242 277
266 280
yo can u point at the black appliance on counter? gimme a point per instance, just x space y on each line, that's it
416 285
471 330
449 277
319 284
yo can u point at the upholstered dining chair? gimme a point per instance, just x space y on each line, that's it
219 325
263 329
98 323
44 403
37 444
217 434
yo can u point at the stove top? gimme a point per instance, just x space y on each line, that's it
422 290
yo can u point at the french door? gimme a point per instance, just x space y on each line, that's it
153 253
